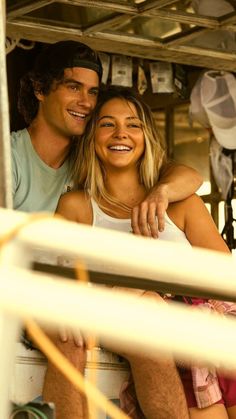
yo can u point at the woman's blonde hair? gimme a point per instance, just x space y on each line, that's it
89 172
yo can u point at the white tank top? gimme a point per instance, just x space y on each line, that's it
101 219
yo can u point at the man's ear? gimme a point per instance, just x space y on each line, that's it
38 91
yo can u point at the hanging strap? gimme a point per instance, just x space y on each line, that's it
32 412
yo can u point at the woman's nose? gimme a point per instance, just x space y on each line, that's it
120 132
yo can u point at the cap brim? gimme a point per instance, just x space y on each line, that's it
225 137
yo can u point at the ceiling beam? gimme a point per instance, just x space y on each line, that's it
111 6
108 23
229 19
230 28
154 4
152 9
183 37
119 43
184 17
22 7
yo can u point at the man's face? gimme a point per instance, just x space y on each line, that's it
68 106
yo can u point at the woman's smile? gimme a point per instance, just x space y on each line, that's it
119 138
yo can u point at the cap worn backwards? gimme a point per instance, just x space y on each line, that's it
68 54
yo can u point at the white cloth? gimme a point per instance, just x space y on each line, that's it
221 168
101 219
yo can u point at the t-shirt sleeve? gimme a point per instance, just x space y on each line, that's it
14 171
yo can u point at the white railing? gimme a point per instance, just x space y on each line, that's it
112 316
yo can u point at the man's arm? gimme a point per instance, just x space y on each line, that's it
176 182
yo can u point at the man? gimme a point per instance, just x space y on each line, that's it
56 99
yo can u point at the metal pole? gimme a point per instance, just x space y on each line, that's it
169 131
9 325
5 157
9 334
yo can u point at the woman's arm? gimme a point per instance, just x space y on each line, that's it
197 224
177 182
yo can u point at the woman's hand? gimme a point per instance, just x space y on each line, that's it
66 334
79 339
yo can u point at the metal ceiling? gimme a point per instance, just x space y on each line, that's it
164 30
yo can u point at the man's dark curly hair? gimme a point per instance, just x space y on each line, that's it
48 68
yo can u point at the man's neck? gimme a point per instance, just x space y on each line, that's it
51 147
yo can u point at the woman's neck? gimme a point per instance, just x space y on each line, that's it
125 187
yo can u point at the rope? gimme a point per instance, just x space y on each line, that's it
70 372
91 341
51 351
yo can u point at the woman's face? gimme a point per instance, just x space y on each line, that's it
119 138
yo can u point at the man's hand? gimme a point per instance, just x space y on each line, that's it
149 216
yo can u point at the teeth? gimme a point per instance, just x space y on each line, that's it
80 115
120 147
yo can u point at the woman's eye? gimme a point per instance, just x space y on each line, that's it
134 126
106 124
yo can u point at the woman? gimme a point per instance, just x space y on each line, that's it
122 156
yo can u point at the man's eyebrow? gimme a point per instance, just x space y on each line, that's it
72 81
68 80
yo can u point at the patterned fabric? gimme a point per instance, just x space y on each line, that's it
205 382
222 307
129 401
206 386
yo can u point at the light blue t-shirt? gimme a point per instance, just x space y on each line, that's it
35 186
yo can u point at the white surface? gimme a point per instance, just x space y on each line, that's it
115 317
30 367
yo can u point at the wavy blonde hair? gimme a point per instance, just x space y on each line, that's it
89 172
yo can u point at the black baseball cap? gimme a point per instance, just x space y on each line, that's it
67 54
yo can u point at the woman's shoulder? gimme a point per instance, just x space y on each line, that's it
191 202
75 206
74 198
177 211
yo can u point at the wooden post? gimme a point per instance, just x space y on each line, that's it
5 157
